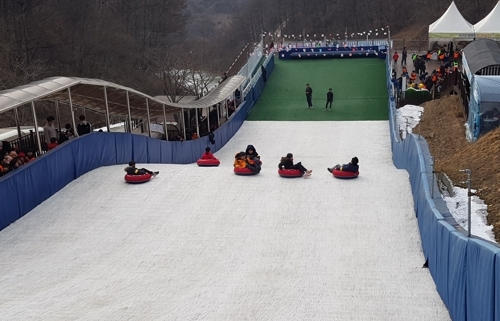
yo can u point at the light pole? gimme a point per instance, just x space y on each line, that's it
389 32
469 195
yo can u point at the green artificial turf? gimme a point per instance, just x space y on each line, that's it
358 84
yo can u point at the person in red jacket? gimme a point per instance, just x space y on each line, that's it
53 143
395 57
208 154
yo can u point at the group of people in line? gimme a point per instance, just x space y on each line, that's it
448 63
54 139
329 98
11 159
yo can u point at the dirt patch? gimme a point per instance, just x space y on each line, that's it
443 128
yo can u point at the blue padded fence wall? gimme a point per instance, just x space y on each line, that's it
35 182
464 269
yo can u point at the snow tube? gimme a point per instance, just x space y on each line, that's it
137 179
244 171
344 175
290 173
208 162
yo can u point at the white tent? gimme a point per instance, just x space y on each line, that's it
451 26
489 27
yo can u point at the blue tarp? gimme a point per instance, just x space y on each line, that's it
484 97
331 51
464 269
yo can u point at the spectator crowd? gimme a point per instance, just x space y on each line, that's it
419 78
12 157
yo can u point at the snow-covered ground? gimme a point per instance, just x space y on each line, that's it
407 118
204 244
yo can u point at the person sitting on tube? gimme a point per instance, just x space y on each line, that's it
352 166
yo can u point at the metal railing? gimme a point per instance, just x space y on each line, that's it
28 142
335 43
240 61
257 74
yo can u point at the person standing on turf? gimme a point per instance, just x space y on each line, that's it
309 92
329 99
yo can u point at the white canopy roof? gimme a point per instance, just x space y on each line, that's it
451 25
489 27
90 93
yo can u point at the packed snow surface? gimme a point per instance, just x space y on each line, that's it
204 244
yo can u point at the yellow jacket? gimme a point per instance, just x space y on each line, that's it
240 163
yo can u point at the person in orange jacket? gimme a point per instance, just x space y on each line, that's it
208 154
240 161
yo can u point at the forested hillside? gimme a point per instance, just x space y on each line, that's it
334 16
126 41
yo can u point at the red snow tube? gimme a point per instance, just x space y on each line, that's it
290 173
208 162
137 179
344 175
244 171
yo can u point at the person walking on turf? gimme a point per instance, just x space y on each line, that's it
329 99
309 93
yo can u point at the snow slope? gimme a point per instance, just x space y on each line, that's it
204 244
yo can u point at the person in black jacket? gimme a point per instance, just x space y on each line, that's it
84 127
287 163
352 166
309 93
329 99
132 170
252 155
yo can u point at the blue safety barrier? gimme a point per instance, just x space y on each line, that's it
333 52
33 183
464 269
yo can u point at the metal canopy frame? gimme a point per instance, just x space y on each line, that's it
89 93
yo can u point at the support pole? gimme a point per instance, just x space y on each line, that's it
129 114
107 109
149 118
58 115
183 123
218 115
38 141
420 127
469 201
208 119
226 107
469 194
72 112
165 129
18 125
433 176
197 126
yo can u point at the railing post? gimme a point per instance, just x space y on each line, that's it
39 143
197 126
129 114
184 123
165 127
18 125
149 117
58 115
469 173
72 112
107 109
